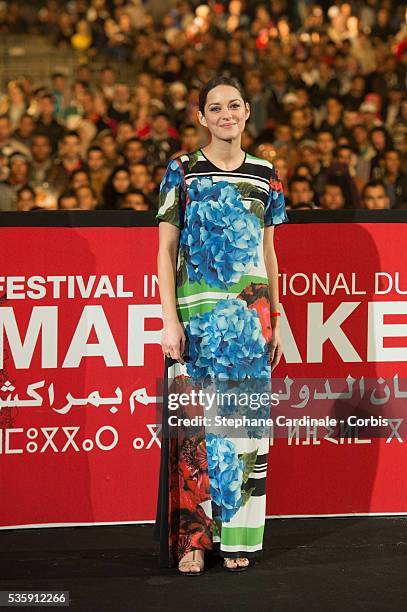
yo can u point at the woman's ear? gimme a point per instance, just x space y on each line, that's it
201 119
247 110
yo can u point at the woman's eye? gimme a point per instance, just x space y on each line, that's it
217 108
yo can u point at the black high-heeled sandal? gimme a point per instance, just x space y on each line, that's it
193 560
238 568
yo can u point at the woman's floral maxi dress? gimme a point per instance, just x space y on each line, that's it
212 488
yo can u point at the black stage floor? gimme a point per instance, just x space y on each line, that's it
333 564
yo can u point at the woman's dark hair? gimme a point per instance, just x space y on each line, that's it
110 196
219 80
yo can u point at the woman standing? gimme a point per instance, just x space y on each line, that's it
218 279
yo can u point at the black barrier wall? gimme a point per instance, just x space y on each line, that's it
129 218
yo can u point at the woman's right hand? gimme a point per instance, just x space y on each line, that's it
173 341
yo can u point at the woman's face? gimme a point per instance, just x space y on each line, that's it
121 181
225 113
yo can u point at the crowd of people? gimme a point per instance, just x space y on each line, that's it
326 85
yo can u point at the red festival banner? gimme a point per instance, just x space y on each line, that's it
80 326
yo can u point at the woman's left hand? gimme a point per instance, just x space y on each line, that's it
276 348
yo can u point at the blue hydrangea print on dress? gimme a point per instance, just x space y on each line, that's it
227 343
222 242
225 470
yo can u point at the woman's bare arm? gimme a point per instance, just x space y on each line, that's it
173 336
270 260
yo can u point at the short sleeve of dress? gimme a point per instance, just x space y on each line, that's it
171 203
275 210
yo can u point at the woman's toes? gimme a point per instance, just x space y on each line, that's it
243 562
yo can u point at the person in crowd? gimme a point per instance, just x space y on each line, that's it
347 158
309 154
25 129
86 197
374 196
97 169
178 102
190 140
107 142
364 151
120 108
333 196
326 145
19 171
258 95
69 160
301 193
380 140
68 200
162 141
140 177
333 117
134 151
60 93
125 132
157 176
399 130
353 99
79 178
41 159
26 199
303 170
134 199
281 165
298 125
15 102
116 186
4 169
369 112
9 144
8 197
394 178
46 122
107 82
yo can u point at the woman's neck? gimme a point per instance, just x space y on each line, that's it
224 153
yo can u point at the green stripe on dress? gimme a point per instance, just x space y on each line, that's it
189 289
244 536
